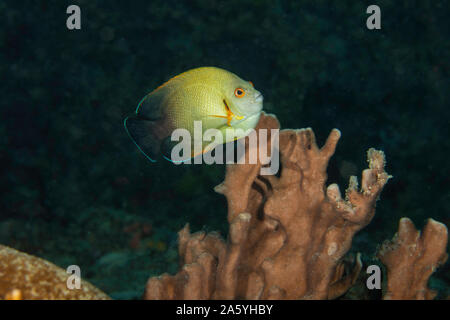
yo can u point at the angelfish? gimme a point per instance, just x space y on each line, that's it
216 97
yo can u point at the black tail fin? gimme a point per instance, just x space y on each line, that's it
140 131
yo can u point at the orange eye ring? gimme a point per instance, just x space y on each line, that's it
239 92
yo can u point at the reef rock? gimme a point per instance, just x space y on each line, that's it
25 277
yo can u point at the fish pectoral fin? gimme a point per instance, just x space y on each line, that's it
218 116
228 117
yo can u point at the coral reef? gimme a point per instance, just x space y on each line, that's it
289 237
411 257
25 277
288 234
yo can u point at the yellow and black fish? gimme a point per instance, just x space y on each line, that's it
216 97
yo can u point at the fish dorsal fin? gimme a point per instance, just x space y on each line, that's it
151 107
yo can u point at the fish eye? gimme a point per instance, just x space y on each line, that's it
239 92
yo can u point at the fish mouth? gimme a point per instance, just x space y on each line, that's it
259 98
